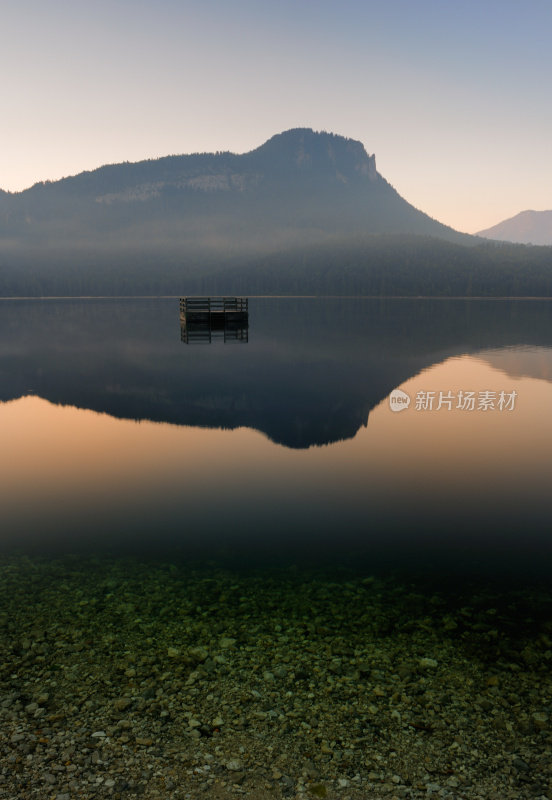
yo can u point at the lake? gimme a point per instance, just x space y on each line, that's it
115 431
351 503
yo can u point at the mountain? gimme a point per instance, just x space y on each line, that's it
528 227
298 187
304 213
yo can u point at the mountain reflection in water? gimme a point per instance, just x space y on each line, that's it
313 373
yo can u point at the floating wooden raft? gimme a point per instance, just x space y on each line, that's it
200 309
201 318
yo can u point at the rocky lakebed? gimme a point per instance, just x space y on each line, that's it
126 678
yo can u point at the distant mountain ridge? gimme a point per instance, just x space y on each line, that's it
299 186
527 227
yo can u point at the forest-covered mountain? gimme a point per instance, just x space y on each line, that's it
305 213
528 227
300 186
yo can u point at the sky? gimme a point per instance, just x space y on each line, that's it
451 97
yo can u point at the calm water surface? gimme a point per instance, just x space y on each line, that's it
249 529
117 434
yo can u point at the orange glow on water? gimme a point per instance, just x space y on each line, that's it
480 451
60 460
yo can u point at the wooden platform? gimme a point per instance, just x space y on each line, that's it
216 308
205 318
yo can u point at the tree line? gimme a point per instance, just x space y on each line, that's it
377 265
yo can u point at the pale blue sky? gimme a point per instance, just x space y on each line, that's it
452 97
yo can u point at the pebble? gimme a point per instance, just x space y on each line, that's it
198 654
521 765
540 718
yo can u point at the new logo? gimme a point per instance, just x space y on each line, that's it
398 400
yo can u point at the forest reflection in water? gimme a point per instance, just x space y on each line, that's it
287 442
